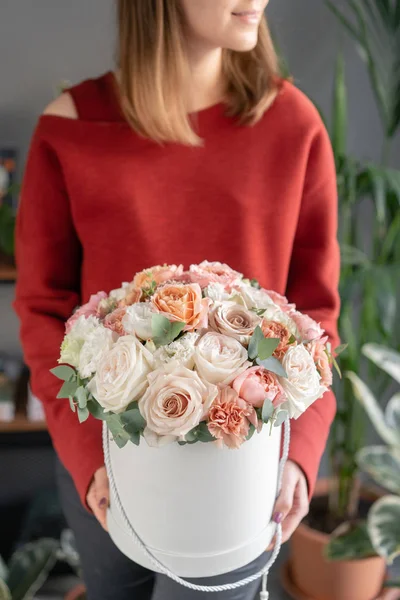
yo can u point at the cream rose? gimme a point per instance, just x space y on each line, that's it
253 297
303 384
137 320
174 403
233 320
121 376
220 358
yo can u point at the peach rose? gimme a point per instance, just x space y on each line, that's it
317 351
214 272
159 274
230 417
256 384
280 301
113 321
308 328
234 320
182 302
273 329
133 295
88 309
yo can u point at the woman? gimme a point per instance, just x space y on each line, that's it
193 149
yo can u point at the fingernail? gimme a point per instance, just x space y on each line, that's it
278 516
103 503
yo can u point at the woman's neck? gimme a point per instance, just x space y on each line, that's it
205 86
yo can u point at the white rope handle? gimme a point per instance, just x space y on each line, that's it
162 568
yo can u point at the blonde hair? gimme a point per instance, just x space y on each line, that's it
153 67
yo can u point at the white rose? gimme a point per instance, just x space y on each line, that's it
137 320
72 343
174 403
253 297
233 320
119 293
121 375
220 358
303 384
217 292
95 347
181 351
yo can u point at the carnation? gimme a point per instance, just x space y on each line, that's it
72 343
181 351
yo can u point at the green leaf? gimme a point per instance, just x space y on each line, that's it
280 418
382 464
392 413
336 365
340 349
96 410
30 567
255 339
203 434
83 414
254 283
273 365
81 396
165 331
251 432
267 347
384 527
64 372
132 421
4 591
339 127
68 389
120 436
267 410
367 399
385 358
135 438
72 403
354 544
352 256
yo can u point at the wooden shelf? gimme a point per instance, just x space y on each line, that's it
21 425
7 273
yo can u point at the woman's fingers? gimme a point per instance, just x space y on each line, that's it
98 496
292 503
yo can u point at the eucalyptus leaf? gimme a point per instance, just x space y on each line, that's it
64 372
96 410
267 347
120 436
367 399
72 403
132 421
280 418
272 364
83 414
251 432
384 527
267 410
68 389
382 464
255 339
203 433
354 544
165 331
81 396
135 438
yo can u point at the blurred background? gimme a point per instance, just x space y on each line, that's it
346 58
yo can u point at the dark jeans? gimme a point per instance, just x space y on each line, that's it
110 575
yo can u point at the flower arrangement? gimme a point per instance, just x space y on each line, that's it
203 355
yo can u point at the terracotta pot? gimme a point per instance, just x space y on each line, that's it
320 579
76 592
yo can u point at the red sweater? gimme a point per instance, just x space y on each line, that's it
100 203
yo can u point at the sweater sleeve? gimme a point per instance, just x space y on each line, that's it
313 286
48 256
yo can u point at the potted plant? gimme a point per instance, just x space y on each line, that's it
370 260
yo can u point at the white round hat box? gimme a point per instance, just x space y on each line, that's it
201 510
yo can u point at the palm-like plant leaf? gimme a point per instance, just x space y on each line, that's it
375 26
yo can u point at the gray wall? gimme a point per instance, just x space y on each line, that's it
45 41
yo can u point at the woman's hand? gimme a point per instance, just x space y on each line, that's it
98 496
292 503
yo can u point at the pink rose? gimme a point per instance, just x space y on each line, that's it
308 328
88 309
256 384
321 359
113 321
214 272
274 329
229 418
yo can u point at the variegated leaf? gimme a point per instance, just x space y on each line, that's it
382 464
386 358
384 527
392 414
